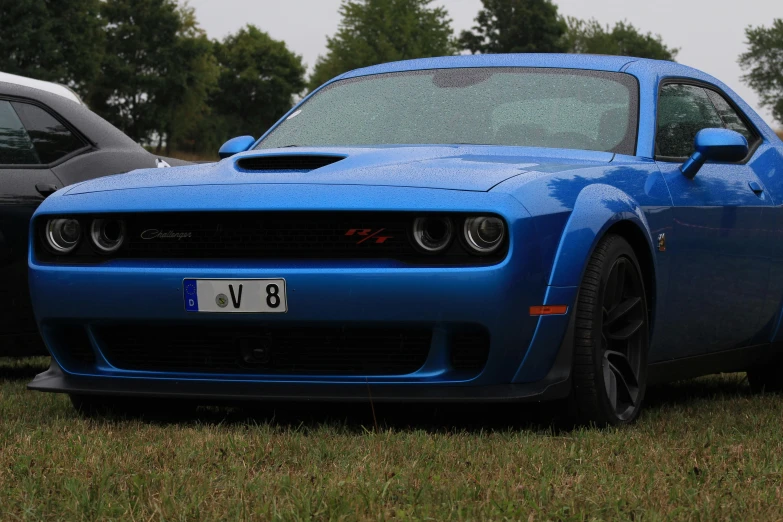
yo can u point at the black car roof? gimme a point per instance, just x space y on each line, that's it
98 131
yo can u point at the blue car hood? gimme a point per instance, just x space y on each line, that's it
459 167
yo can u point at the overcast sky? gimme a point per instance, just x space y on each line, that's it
709 33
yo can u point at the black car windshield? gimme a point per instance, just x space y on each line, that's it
572 109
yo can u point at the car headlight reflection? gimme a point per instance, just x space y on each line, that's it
63 235
433 234
484 234
107 234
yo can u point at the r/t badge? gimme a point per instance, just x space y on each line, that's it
662 242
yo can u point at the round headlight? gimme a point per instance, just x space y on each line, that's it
107 234
484 234
433 234
63 235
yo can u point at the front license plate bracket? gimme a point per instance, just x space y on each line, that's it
250 296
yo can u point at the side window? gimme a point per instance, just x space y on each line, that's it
731 119
51 139
16 147
683 110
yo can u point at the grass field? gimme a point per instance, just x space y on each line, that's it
704 450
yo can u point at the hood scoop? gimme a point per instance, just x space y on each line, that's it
292 162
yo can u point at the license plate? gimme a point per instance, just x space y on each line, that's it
249 296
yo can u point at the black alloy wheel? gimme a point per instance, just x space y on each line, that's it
611 337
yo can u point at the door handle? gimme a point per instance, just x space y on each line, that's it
46 189
756 188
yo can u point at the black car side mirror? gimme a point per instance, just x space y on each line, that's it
720 145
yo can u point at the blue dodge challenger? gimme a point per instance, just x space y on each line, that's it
471 228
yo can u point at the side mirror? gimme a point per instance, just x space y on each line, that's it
235 146
721 145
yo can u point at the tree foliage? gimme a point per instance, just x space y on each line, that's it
377 31
157 67
590 37
763 63
259 77
516 26
53 40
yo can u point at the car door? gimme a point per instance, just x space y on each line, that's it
718 246
32 140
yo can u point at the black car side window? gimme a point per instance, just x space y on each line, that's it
16 147
731 120
51 139
683 110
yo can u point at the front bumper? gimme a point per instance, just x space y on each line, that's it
524 360
556 385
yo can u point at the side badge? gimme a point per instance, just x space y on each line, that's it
662 242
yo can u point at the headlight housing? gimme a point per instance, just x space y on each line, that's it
63 235
433 234
107 234
484 234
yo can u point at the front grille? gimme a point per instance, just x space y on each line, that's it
255 350
269 235
300 163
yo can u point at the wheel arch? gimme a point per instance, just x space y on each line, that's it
600 210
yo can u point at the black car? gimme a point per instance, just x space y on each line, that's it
48 139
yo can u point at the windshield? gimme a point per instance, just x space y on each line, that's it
573 109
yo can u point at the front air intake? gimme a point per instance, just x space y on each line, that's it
254 349
299 163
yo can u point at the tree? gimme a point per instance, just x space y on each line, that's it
184 103
764 65
377 31
516 26
156 73
590 37
55 40
259 77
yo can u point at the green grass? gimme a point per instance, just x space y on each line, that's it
703 450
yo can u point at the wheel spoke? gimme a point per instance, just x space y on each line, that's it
610 382
626 380
621 310
627 331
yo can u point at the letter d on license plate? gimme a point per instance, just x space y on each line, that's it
249 296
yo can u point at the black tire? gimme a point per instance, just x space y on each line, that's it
766 378
611 337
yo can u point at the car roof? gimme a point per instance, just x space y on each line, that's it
557 61
54 88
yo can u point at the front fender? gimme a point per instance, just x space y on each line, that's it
596 209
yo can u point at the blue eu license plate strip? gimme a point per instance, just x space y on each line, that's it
190 288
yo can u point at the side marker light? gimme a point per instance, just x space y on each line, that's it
548 310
